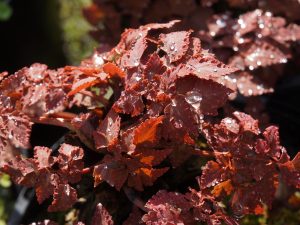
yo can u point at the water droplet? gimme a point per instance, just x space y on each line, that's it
241 40
10 136
258 63
283 60
172 47
272 56
52 111
259 35
105 167
98 60
259 87
242 23
173 103
221 23
212 33
178 124
268 14
67 190
250 92
258 12
137 78
215 70
228 120
261 26
235 48
251 67
193 97
136 62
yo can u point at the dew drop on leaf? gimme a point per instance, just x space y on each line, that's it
283 60
221 23
193 97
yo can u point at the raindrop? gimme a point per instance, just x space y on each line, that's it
241 40
173 103
261 26
98 60
193 97
283 60
259 87
137 78
221 23
228 121
242 23
39 76
258 12
178 124
136 62
67 190
268 14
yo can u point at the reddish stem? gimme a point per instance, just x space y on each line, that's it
203 153
137 201
86 170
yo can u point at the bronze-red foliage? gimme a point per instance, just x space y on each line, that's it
145 107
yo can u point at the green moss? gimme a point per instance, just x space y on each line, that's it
5 14
78 44
5 198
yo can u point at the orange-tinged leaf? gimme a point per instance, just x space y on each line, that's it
83 84
188 140
152 157
225 186
259 210
145 177
88 71
113 69
147 131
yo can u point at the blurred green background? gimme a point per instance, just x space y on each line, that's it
53 32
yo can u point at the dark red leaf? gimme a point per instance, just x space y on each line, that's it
101 216
108 130
64 198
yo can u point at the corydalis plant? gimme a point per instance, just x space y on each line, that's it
254 41
258 40
143 107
